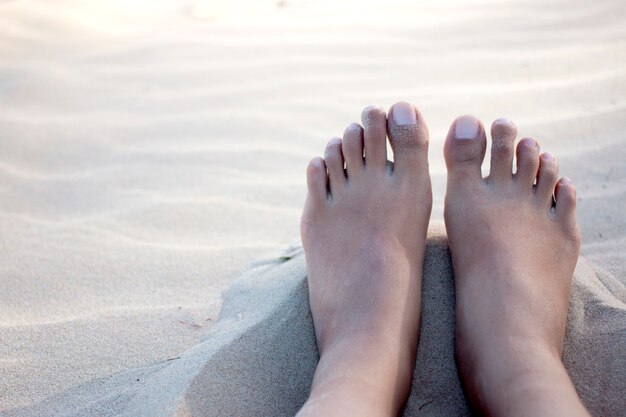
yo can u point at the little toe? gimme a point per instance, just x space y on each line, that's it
527 162
546 179
503 132
464 149
408 135
375 136
316 182
352 148
334 164
565 196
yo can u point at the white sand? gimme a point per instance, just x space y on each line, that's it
151 152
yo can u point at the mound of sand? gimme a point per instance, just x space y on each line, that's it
260 357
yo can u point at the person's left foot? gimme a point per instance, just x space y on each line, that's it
514 242
364 232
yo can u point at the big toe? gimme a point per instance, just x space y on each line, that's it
408 135
464 149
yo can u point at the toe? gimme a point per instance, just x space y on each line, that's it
352 148
546 179
408 136
316 181
527 162
565 196
334 164
503 133
464 149
375 136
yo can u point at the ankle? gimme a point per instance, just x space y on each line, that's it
353 378
344 396
533 382
545 390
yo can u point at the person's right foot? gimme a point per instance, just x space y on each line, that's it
514 247
364 237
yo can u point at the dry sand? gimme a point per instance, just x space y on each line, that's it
152 152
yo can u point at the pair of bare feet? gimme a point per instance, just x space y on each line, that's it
514 243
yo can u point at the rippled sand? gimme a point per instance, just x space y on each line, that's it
152 152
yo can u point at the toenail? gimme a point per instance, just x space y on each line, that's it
354 128
565 181
334 141
466 128
548 157
372 108
332 144
531 143
403 114
371 115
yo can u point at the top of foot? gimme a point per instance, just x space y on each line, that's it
514 242
363 230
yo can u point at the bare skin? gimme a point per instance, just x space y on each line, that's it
364 232
513 262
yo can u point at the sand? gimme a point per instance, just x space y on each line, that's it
152 161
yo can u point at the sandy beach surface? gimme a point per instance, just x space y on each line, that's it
152 160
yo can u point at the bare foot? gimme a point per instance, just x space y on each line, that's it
364 232
514 248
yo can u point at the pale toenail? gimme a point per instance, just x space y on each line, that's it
548 157
333 143
466 128
371 115
502 121
373 107
565 181
354 128
530 142
404 114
